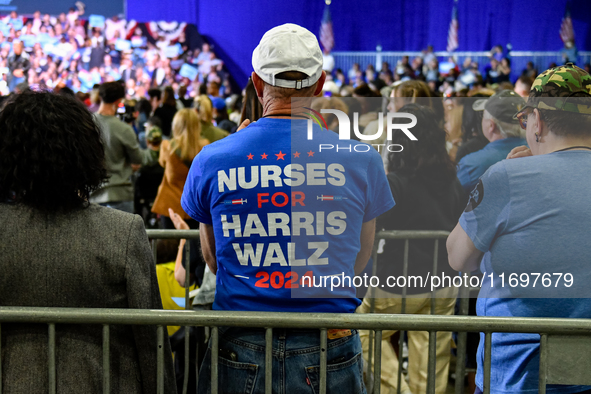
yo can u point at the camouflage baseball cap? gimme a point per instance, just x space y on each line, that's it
154 135
562 88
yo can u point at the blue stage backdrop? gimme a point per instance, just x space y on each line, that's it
235 28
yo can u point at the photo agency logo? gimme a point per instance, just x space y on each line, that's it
380 137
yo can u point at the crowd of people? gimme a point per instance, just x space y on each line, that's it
445 77
78 52
273 204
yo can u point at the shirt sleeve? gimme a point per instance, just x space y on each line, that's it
196 198
132 146
464 175
379 197
488 211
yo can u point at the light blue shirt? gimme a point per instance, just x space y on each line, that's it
472 166
531 215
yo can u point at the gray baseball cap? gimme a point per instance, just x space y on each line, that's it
502 105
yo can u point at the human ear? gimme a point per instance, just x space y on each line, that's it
259 84
320 84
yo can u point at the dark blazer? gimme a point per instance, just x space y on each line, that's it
91 258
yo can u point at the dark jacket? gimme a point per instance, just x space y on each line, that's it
422 203
92 258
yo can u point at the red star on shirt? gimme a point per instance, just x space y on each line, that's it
280 155
297 154
264 155
310 154
250 156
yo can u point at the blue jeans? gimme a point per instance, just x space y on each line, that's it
296 362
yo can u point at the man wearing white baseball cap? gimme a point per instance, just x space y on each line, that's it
278 213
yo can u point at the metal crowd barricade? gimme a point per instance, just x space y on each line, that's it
550 329
558 336
541 60
407 236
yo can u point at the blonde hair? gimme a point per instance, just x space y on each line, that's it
204 108
412 90
186 132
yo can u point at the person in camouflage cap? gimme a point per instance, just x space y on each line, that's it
559 104
529 215
552 89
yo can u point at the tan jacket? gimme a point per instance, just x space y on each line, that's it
171 188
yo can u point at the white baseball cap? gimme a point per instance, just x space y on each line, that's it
284 48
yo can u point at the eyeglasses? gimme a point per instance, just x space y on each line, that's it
522 117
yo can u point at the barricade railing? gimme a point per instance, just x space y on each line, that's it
546 327
376 323
541 59
391 235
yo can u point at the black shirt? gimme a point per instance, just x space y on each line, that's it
422 203
165 113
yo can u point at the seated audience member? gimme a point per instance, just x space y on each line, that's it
18 64
144 109
204 108
504 69
166 110
279 137
155 97
185 100
530 70
453 127
498 127
530 215
472 138
59 250
428 196
220 114
523 85
330 103
122 151
95 99
149 177
410 92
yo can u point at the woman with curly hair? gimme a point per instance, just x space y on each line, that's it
59 250
428 196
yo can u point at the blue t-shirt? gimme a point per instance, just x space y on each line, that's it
531 215
472 166
286 211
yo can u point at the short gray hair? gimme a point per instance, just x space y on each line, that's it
506 129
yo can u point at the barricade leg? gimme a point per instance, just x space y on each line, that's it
268 361
187 307
51 361
323 361
487 361
431 375
106 359
215 347
378 365
543 363
0 358
160 360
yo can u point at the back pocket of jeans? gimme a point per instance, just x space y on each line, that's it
343 378
235 377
